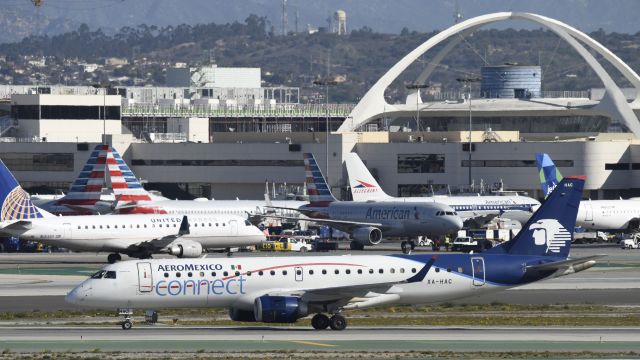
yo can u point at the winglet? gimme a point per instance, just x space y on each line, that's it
184 226
423 272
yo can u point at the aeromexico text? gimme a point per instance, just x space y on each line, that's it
189 267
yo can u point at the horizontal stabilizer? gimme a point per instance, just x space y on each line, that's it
565 264
19 225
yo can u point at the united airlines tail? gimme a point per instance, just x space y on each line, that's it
317 188
363 186
16 204
549 175
548 231
104 168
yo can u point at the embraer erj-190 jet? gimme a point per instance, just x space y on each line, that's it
480 209
284 289
368 223
593 214
135 235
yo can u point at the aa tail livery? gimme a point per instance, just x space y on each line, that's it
284 289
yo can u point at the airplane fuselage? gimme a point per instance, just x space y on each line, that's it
236 283
609 214
117 232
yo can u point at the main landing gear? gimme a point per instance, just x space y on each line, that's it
112 258
126 323
322 321
408 246
355 245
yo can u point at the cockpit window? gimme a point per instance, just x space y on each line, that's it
98 275
110 275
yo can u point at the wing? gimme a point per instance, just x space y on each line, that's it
161 243
355 296
342 225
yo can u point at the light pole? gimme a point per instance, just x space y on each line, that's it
326 82
417 88
104 87
467 81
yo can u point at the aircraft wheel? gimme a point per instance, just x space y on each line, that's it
112 258
406 247
412 244
126 325
320 321
338 322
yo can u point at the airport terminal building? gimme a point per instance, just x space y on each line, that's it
225 143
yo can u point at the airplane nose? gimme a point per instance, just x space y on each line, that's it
79 294
454 224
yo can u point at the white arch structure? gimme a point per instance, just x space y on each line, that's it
614 103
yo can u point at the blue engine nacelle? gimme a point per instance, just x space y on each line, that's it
279 309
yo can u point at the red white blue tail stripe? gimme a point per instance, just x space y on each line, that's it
104 168
317 188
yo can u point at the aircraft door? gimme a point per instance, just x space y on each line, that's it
67 230
299 273
588 214
233 224
477 269
145 282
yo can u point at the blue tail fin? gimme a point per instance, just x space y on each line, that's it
548 231
549 175
16 204
319 193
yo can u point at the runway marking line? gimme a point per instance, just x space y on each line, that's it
311 343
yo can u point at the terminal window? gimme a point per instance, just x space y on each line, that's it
38 161
420 163
408 190
512 163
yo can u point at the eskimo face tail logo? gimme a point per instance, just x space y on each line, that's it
551 233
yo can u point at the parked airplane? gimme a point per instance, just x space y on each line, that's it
368 223
106 184
284 289
135 235
480 209
592 214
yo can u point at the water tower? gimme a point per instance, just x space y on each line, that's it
340 22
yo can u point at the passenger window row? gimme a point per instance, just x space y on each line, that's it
299 272
144 226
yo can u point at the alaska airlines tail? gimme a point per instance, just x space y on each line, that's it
363 186
548 231
87 188
317 188
16 204
549 175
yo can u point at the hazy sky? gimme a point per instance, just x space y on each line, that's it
55 16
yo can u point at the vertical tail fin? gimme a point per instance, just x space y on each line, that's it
549 175
16 204
548 231
126 186
363 186
319 193
104 168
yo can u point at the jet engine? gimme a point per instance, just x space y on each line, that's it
279 309
241 315
186 249
367 235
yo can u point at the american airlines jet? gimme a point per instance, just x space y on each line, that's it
285 289
106 184
368 223
135 235
478 208
593 214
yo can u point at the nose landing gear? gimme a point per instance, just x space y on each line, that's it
126 323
